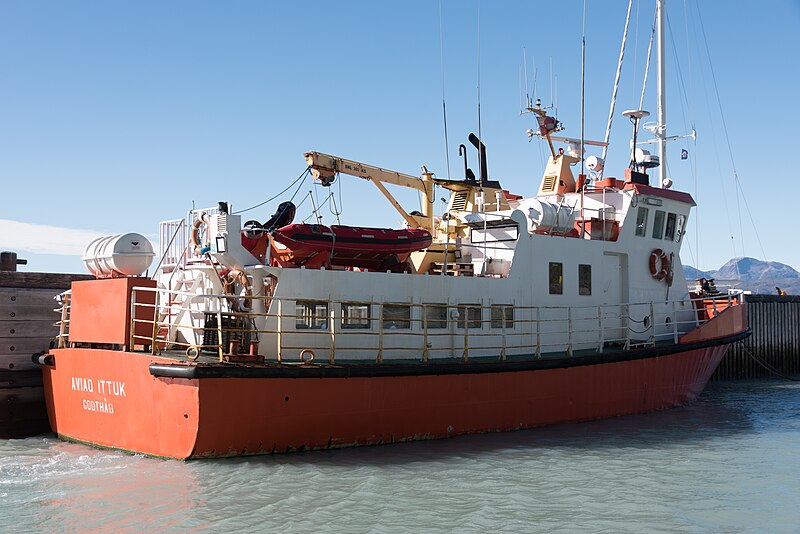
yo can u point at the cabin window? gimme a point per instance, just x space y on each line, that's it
641 221
396 316
680 230
356 316
556 278
658 225
669 233
502 316
469 315
584 279
435 315
311 315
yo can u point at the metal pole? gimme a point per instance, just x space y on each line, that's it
662 98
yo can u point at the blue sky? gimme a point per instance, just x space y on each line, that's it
115 116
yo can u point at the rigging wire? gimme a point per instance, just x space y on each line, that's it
739 190
725 131
303 175
722 190
683 100
693 161
636 50
335 210
616 81
647 63
685 105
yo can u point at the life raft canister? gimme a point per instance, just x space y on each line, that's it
660 267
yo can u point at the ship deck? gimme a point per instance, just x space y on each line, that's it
210 366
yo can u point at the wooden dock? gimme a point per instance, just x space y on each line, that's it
27 326
774 346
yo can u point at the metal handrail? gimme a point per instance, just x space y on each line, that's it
547 328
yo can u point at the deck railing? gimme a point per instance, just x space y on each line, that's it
63 299
173 242
303 330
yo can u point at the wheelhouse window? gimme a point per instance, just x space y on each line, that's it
311 315
502 316
681 225
556 278
584 279
396 316
658 225
356 316
641 221
669 233
435 315
469 316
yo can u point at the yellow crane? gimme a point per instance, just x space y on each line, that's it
324 167
463 198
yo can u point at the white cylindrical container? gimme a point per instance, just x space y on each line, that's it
118 255
546 215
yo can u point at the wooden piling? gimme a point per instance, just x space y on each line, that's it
775 321
27 326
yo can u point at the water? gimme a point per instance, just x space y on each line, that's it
729 463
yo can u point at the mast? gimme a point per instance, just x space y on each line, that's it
661 133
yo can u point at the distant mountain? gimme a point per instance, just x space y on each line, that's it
753 275
693 274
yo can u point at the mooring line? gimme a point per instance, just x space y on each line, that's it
765 365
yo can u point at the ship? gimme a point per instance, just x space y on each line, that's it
504 312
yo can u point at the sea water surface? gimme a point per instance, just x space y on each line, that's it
728 463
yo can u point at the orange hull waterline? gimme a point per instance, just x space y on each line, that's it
214 417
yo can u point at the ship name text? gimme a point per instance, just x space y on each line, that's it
113 388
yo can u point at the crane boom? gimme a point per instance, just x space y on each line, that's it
324 167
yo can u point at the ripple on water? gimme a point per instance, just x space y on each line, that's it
729 463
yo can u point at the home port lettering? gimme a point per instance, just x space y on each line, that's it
111 388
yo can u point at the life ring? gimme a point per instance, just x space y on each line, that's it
194 236
660 267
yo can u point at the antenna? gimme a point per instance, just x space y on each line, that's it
556 104
525 63
583 81
444 106
481 154
528 102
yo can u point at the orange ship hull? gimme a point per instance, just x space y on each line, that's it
115 399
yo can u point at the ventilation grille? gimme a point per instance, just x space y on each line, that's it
460 200
549 183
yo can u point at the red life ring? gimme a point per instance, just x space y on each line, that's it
660 266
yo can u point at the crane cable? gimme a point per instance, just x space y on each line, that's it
299 178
